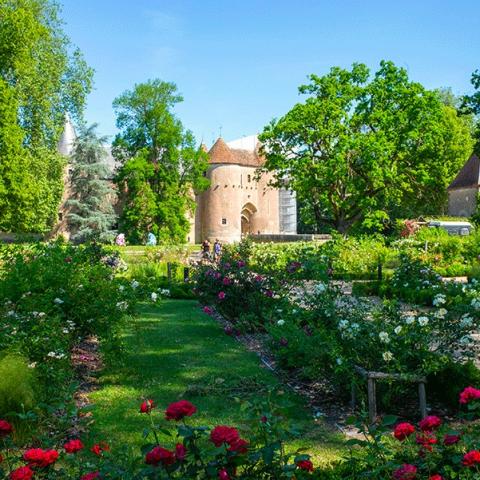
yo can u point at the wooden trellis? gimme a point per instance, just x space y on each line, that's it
373 377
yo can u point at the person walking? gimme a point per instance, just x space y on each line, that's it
206 249
217 250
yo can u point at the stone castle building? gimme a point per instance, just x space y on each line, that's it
236 204
463 191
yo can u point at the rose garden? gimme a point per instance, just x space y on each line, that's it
113 369
301 302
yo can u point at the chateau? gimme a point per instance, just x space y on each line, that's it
235 205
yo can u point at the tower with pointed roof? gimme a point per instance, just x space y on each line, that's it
237 202
463 191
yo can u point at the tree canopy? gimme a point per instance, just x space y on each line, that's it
472 105
41 78
362 149
161 167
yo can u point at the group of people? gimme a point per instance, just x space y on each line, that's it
217 250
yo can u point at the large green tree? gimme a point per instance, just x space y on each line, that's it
91 214
472 106
162 166
41 78
361 149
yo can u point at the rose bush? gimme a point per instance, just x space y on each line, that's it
191 452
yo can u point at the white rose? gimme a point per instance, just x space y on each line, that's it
422 321
153 296
398 329
387 356
281 322
384 338
409 320
58 301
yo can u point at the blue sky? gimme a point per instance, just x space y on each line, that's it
238 63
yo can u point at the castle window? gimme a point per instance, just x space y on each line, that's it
249 178
60 216
224 221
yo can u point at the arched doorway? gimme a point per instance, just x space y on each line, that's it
247 214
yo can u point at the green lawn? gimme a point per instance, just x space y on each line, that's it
175 351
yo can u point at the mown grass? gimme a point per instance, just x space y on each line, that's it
175 351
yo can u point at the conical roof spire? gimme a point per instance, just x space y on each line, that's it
220 153
68 137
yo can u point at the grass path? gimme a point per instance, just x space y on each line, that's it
175 351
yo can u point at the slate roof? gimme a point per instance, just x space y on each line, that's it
222 153
469 175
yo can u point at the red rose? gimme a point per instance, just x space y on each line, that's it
471 459
430 423
221 295
180 452
449 440
90 476
426 441
22 473
239 446
146 406
36 457
207 310
73 446
160 455
226 281
223 434
179 410
469 394
405 472
305 465
223 475
403 430
435 477
5 428
99 448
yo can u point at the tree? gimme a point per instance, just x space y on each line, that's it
41 78
162 166
91 212
471 105
361 150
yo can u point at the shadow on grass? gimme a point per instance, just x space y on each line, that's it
176 351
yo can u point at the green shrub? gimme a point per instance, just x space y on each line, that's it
457 376
18 385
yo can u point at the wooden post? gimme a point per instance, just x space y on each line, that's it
379 272
354 396
423 399
372 400
186 274
169 271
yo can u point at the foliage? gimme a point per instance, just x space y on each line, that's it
244 297
51 296
18 385
91 212
195 452
41 78
360 148
161 164
430 450
471 105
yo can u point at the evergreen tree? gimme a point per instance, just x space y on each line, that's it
91 211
